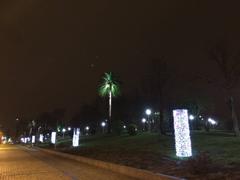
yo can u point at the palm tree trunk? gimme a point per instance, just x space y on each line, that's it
234 118
110 113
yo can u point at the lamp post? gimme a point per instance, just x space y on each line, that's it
63 131
103 124
144 123
87 129
148 113
17 127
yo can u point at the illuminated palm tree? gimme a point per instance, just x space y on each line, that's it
110 88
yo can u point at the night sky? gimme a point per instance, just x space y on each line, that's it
53 52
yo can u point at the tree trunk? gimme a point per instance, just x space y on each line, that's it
234 118
162 129
110 113
161 110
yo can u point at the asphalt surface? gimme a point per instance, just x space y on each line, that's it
20 163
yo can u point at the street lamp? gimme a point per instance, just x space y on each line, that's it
144 120
148 113
63 131
103 124
69 128
87 129
144 123
191 117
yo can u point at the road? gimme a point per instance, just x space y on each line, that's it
21 163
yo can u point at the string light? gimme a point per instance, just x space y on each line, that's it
182 133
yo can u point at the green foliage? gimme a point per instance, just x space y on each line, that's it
109 85
132 129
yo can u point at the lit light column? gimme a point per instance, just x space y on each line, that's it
76 133
182 133
41 138
53 137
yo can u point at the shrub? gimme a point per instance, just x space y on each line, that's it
117 127
132 129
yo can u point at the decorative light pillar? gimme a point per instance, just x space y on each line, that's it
53 137
76 133
182 133
41 138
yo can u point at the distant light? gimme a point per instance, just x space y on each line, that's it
182 133
103 124
87 128
200 116
17 119
124 127
53 137
63 130
144 120
211 121
69 128
191 117
148 112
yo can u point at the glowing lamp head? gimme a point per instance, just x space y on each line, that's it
63 130
191 117
87 128
124 127
148 112
144 120
69 128
103 124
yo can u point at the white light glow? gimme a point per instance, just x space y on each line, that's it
22 140
69 128
211 121
63 130
87 128
75 140
144 120
191 117
124 127
182 133
53 137
33 139
41 138
103 124
148 112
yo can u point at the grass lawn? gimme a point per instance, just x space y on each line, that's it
155 152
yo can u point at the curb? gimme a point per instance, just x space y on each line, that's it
125 170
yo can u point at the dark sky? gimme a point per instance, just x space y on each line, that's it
47 47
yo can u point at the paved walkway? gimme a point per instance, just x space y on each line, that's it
19 163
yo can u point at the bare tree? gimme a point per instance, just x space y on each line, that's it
156 81
229 67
